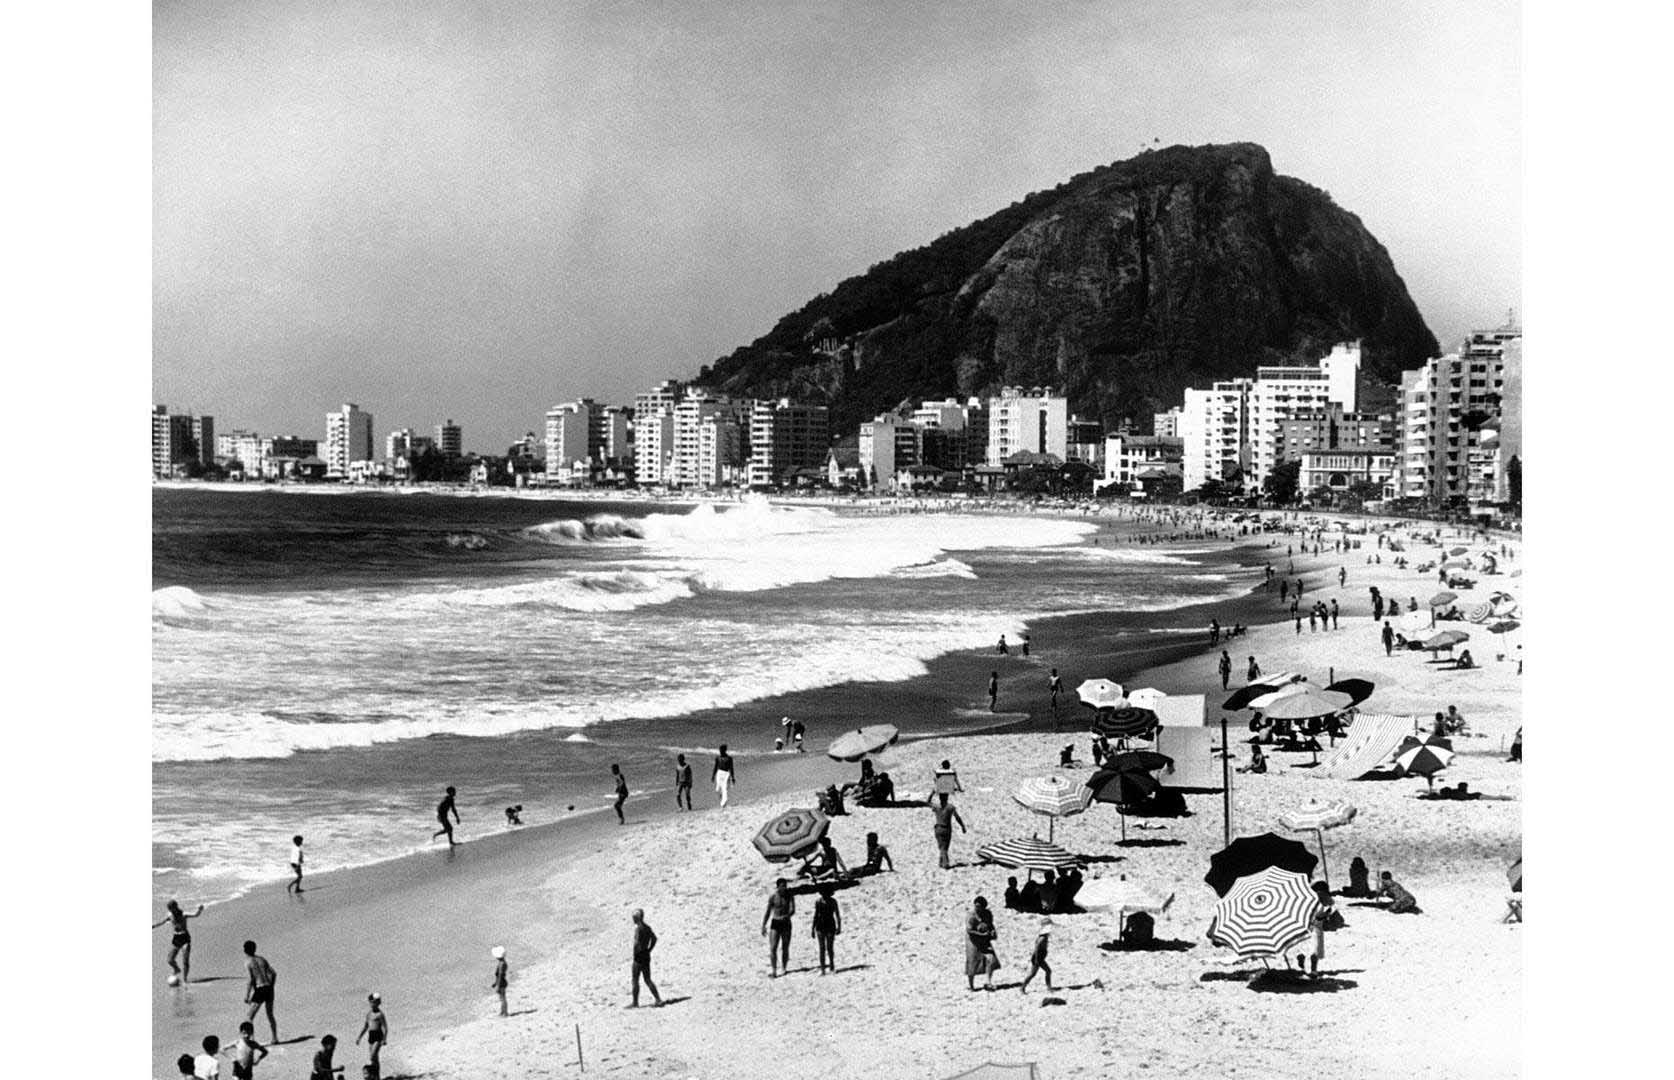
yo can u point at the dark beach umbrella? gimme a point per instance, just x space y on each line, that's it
1358 690
1503 626
1241 698
1252 854
1412 741
1128 789
1443 598
1146 761
791 835
1424 760
1125 722
1445 640
1514 874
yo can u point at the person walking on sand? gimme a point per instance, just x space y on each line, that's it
1037 959
645 939
1025 643
682 783
776 928
1334 611
180 940
322 1068
980 957
1388 639
295 885
993 690
621 793
828 923
1055 686
798 730
376 1033
722 775
502 977
1253 672
1342 576
1003 649
258 994
1226 669
246 1052
1284 590
443 809
946 815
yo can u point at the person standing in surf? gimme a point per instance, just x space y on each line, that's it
443 809
722 774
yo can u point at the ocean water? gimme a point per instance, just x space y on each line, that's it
326 663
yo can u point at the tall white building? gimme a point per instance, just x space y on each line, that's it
348 439
1292 392
720 450
654 432
1166 424
568 431
1453 414
1214 432
1032 420
688 468
888 444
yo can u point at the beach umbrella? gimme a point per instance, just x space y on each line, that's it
1412 741
1147 761
1358 690
1146 698
1316 817
1445 640
1282 692
1443 598
1503 626
1479 612
1028 853
1100 694
1423 760
1053 796
1126 789
1253 854
1458 551
856 744
1124 722
1120 895
1309 703
1265 913
1414 621
1513 874
1242 697
791 835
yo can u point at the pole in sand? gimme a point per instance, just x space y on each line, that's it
1226 783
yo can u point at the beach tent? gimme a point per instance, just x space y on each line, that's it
1197 763
1370 741
1179 710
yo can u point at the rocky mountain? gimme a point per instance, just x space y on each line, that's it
1120 288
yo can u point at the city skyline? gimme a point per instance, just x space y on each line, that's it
449 211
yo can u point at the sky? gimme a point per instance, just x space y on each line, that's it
442 209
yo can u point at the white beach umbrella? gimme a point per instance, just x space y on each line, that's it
1054 797
1146 698
1100 693
1287 690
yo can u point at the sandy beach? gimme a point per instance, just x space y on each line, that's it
1441 988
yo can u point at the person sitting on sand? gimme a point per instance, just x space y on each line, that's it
1028 897
1465 662
1049 891
826 863
1139 931
877 856
1258 760
1066 756
1069 883
514 814
1401 902
1359 879
1013 898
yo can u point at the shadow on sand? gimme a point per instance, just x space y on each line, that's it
1172 945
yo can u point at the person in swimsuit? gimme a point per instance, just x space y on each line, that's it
828 923
323 1069
1037 959
946 815
1055 686
798 730
682 783
376 1032
781 905
296 865
993 690
645 939
722 774
443 809
259 993
180 944
502 977
621 793
246 1052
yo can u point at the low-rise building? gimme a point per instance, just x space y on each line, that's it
1128 457
1339 470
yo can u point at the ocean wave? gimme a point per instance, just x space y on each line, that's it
595 529
937 568
178 602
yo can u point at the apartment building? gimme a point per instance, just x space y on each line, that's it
1453 410
653 431
786 436
1033 420
1214 427
348 440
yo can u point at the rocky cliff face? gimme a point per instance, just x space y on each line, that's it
1120 288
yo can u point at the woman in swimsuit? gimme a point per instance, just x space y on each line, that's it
181 943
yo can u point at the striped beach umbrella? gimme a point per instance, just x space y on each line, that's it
1028 853
791 835
1052 796
856 744
1100 694
1316 817
1423 760
1265 913
1124 722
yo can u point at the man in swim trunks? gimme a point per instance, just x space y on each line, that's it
295 885
180 944
682 783
645 939
781 905
376 1031
946 815
722 773
621 792
259 993
443 809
